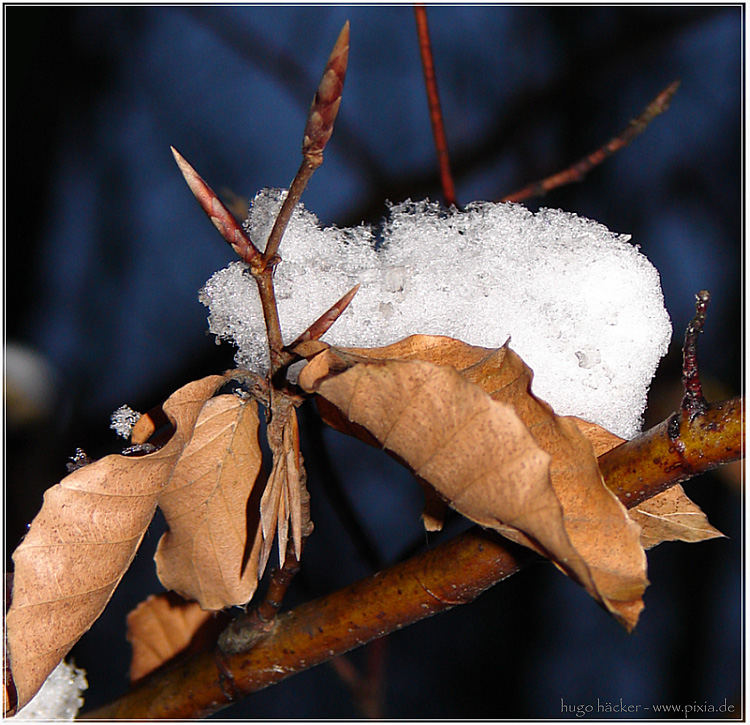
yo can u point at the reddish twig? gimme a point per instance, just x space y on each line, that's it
578 170
318 130
433 101
693 402
366 688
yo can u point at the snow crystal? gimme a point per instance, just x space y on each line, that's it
59 697
123 420
582 306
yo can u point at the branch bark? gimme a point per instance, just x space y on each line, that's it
453 573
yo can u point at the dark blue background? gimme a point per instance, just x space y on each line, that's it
105 250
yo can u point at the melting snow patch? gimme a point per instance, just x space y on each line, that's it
581 305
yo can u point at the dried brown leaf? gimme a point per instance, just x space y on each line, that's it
83 540
672 516
559 506
600 438
161 627
597 523
210 552
668 516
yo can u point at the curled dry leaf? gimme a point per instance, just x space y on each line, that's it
163 626
81 543
210 552
600 438
672 516
463 419
668 516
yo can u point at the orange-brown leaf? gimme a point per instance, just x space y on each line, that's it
668 516
208 554
163 626
600 438
672 516
597 523
564 499
81 543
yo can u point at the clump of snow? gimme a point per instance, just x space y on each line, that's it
582 306
123 420
59 698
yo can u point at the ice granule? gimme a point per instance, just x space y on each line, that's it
123 420
582 306
59 698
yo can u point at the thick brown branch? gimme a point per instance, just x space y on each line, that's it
673 451
433 102
454 573
314 632
578 170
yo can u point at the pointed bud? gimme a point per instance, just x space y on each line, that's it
219 215
327 99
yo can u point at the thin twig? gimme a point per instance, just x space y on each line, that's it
318 130
433 101
267 293
249 628
366 688
578 170
693 402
